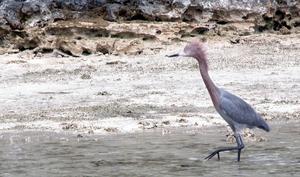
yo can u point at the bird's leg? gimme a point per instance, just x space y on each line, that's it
240 146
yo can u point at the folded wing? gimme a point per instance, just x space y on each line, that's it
240 111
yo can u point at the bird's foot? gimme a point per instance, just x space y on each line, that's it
217 152
213 154
240 146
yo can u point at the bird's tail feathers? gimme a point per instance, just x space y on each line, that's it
264 126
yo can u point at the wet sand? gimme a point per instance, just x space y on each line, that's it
110 94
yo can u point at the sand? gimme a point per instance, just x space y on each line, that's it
108 94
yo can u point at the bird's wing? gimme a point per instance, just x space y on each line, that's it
238 110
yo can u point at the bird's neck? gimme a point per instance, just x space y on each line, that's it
211 87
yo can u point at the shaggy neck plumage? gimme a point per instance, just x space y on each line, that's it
211 87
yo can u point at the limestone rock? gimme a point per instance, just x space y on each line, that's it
69 47
77 27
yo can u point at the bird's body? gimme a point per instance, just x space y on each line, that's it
235 111
239 114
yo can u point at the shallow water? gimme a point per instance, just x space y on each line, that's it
177 153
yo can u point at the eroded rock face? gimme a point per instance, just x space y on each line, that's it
19 13
281 18
79 27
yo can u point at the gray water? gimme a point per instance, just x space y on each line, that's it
178 153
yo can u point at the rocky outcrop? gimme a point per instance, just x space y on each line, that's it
20 13
283 17
90 26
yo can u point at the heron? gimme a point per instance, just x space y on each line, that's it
234 110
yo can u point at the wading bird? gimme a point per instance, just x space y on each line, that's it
235 111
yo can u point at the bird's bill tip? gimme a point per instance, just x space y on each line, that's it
180 53
173 55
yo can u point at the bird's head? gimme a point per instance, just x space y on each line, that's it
193 49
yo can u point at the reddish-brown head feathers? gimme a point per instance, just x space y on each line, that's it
196 50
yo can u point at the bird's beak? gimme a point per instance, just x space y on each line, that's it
181 53
173 55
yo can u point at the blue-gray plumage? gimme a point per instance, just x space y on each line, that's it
235 111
